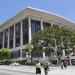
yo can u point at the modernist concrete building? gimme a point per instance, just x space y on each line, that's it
18 31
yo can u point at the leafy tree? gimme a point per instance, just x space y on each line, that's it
55 39
5 53
27 50
28 47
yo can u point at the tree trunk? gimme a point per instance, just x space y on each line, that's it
43 54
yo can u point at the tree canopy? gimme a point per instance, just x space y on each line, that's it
56 38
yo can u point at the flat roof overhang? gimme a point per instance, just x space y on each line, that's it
37 13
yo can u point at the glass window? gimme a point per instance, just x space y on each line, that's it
17 29
11 32
11 37
0 45
46 25
35 26
25 31
5 38
1 39
11 44
17 34
17 41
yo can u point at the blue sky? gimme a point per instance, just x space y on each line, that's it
9 8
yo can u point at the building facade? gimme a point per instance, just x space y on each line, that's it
18 31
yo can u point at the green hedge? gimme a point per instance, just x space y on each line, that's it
21 62
7 62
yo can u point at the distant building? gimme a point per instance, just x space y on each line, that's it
18 31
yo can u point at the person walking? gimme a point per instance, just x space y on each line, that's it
61 65
46 68
65 64
38 68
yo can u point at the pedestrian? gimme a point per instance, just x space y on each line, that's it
65 64
61 65
38 68
46 69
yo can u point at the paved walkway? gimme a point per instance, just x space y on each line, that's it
30 70
69 71
24 69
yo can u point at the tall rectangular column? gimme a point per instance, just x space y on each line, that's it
29 29
41 25
21 35
8 38
14 38
21 39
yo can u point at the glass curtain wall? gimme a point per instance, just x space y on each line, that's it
35 26
11 37
1 39
46 25
25 31
6 38
17 34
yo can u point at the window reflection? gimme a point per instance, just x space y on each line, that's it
46 25
25 31
17 34
5 38
35 26
11 37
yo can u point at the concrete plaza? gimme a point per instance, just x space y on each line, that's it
30 70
